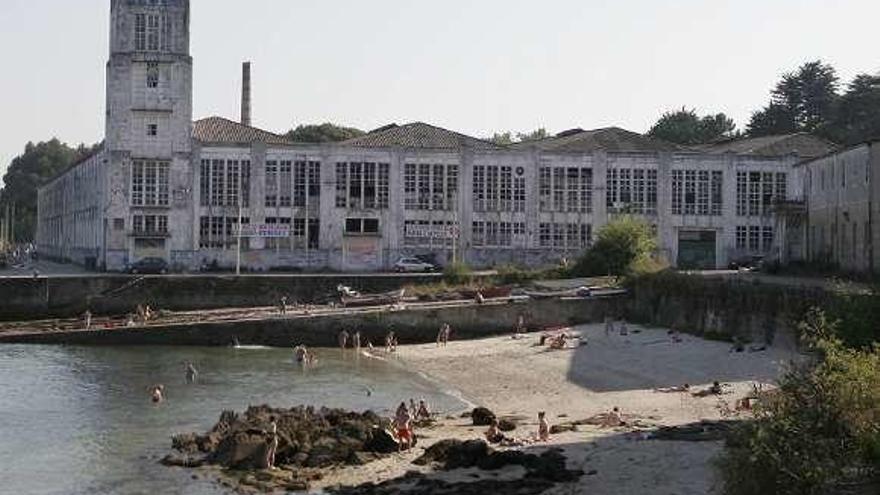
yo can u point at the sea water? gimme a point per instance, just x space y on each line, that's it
79 420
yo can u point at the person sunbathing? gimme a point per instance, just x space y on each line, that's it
669 390
715 389
559 342
422 412
493 434
614 419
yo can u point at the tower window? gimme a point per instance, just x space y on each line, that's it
152 32
152 130
152 75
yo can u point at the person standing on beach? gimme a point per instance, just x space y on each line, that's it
272 442
390 342
609 326
543 427
443 335
282 306
191 373
343 339
403 425
87 317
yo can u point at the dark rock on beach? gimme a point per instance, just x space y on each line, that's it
542 472
482 416
506 425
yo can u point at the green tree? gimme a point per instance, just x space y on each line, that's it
820 429
507 138
502 139
324 133
803 101
30 170
687 128
857 115
536 135
620 245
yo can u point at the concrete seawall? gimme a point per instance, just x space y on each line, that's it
413 325
24 298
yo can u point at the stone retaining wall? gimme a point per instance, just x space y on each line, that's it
415 325
25 298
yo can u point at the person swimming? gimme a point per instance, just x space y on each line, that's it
191 373
157 393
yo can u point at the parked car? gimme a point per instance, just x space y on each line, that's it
413 265
149 266
749 264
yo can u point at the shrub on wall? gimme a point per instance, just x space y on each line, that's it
625 242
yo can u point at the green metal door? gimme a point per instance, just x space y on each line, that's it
696 250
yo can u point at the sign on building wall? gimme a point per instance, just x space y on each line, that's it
432 231
265 230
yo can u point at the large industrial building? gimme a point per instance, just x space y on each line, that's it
843 208
165 186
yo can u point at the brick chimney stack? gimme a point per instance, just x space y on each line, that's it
246 93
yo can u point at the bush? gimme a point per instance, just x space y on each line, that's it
457 273
819 430
620 245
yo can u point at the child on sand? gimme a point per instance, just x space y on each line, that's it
543 427
493 434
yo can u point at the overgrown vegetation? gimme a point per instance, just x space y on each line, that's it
457 273
622 246
820 430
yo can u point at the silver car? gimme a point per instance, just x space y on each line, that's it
413 265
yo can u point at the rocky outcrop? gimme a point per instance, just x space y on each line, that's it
306 438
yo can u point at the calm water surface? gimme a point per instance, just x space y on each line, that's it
78 420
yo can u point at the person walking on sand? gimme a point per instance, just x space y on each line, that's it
272 442
191 373
543 427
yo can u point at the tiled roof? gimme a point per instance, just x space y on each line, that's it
800 144
219 130
613 139
418 135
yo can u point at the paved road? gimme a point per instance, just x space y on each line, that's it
56 270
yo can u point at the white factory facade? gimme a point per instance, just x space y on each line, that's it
165 186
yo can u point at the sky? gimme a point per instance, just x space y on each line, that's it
475 66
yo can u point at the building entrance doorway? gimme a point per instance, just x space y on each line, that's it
696 250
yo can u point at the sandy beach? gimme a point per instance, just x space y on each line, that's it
516 378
